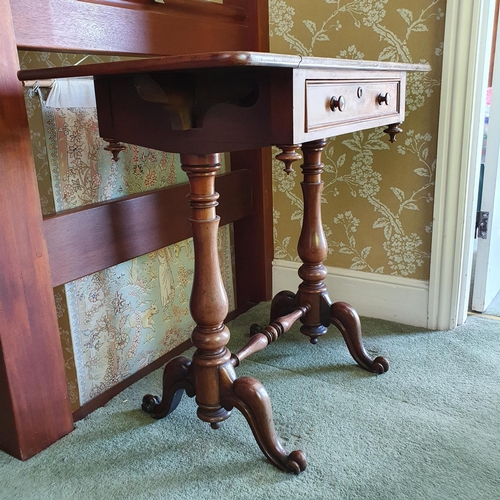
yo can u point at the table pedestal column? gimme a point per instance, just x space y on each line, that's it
210 376
312 292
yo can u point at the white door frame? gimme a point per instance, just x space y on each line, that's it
466 53
486 282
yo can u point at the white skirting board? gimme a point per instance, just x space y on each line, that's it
392 298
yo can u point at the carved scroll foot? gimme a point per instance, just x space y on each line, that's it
176 379
346 319
250 397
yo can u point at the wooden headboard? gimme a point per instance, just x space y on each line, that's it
140 26
34 402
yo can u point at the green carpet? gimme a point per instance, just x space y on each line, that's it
427 429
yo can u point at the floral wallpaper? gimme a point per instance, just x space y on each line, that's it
378 197
119 320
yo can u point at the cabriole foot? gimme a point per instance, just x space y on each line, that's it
250 397
176 380
346 319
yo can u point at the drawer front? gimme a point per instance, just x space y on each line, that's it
333 103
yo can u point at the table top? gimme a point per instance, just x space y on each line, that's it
230 59
232 100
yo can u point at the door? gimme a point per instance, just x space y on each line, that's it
487 271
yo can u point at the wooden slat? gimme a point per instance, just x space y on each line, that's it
34 403
257 18
89 239
253 236
120 27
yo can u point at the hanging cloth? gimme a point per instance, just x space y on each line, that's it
72 93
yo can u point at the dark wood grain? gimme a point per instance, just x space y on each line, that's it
150 123
89 239
254 268
253 236
217 59
210 375
125 27
34 403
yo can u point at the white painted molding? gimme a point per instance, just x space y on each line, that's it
468 30
392 298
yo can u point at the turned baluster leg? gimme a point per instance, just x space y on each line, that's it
217 388
312 247
211 376
312 250
208 303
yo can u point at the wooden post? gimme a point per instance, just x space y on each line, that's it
254 268
34 403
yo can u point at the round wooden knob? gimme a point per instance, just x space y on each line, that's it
337 103
384 98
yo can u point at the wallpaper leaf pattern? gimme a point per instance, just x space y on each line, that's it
377 197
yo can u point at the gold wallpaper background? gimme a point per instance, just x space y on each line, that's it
378 196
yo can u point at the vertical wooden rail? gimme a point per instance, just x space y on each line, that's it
34 403
254 247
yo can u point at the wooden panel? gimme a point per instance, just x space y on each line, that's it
128 27
125 116
253 236
313 67
89 239
313 89
257 18
254 267
34 403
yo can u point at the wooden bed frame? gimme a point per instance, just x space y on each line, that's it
38 254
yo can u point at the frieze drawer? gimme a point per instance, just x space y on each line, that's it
333 102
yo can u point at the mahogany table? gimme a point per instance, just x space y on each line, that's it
202 105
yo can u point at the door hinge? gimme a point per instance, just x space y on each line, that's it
482 224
